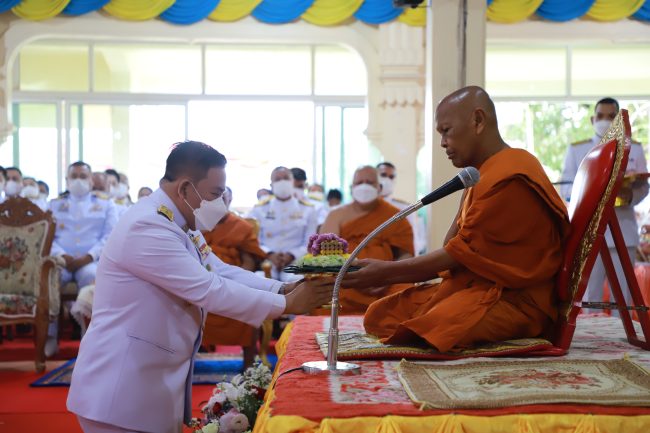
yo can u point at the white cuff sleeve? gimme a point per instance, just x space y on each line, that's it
278 307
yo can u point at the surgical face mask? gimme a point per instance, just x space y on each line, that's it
364 193
282 189
317 195
119 191
209 213
601 126
78 187
387 186
13 188
299 193
30 192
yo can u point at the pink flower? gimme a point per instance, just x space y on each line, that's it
233 422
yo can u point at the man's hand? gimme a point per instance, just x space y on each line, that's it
286 258
290 287
276 259
373 275
309 295
69 260
79 262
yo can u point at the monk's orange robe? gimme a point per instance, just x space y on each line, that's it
232 236
511 230
399 235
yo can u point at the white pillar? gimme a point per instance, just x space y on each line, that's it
397 113
455 57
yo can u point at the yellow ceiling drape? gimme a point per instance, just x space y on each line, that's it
414 17
40 9
233 10
511 11
137 10
614 10
331 12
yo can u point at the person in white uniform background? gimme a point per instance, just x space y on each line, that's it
632 193
156 282
300 184
387 174
285 223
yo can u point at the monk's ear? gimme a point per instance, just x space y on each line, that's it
479 120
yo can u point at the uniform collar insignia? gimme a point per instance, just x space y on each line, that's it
166 212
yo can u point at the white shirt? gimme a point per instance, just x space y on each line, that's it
636 164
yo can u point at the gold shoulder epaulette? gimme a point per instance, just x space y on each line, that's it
264 201
581 142
166 212
101 194
305 202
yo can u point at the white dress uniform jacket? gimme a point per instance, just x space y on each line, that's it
152 293
285 226
636 163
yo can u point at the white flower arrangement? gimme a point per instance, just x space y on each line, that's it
233 406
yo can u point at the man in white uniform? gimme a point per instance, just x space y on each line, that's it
285 223
387 174
156 281
631 194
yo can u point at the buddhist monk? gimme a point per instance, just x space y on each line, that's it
355 221
500 256
233 240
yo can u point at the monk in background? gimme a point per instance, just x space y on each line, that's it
500 256
354 221
234 241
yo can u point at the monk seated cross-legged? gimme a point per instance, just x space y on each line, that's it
500 256
354 222
234 241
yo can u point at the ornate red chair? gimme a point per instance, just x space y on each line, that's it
28 286
591 212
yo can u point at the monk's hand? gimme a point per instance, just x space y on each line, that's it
309 295
372 275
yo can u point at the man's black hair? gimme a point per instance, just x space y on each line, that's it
14 168
80 164
299 174
608 101
44 185
334 193
112 172
192 159
387 164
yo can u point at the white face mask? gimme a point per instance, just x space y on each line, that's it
13 188
601 126
209 213
317 195
387 186
78 187
282 189
30 192
364 193
299 193
121 190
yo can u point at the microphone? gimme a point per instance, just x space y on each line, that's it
466 178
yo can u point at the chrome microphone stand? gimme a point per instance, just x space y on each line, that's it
332 364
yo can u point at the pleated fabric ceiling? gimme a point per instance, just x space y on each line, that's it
321 12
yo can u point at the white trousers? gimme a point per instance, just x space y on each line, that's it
90 426
594 292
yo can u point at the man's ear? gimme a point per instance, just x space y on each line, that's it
479 120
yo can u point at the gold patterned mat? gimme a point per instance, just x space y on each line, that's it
481 385
359 345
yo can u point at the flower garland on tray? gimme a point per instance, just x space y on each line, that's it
233 406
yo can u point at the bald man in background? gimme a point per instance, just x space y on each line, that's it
500 255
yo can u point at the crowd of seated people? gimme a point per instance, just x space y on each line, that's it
275 231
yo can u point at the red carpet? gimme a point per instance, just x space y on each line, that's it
22 349
25 410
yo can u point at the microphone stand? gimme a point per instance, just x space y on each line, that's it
332 365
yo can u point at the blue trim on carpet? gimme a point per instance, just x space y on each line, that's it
206 372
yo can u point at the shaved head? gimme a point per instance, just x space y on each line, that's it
467 122
366 174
